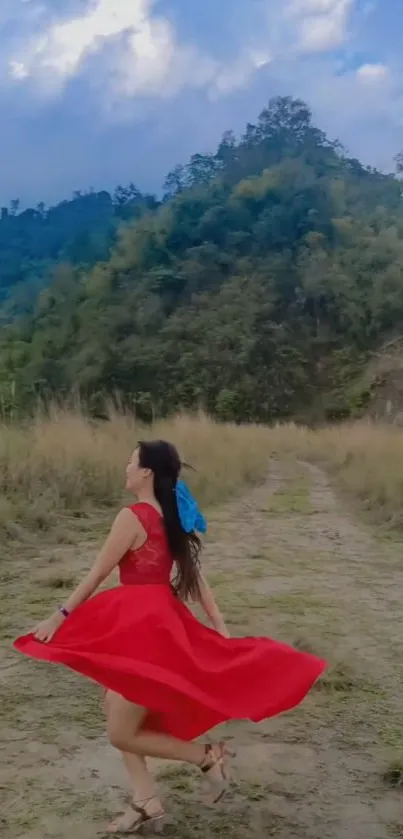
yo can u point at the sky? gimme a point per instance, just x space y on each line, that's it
99 92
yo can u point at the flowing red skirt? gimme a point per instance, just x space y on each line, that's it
141 642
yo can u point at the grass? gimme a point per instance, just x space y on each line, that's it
393 775
65 465
62 466
294 497
269 562
365 458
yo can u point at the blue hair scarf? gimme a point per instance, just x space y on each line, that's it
189 514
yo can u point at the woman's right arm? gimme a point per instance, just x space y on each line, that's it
210 607
122 536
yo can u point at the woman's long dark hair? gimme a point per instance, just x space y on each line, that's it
165 464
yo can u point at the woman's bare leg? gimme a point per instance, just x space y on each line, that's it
121 720
125 732
142 784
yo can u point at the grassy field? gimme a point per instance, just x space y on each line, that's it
64 466
288 556
364 458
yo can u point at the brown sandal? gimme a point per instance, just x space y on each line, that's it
140 818
215 768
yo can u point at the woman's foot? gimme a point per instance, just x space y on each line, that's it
140 813
215 768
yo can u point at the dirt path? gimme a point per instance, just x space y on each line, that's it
287 561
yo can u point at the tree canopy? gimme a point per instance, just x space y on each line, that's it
255 288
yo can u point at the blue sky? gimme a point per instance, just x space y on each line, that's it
99 92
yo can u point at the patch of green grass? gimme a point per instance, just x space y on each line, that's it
239 815
30 811
254 792
51 699
341 679
176 772
395 830
178 778
393 774
219 579
294 497
234 602
38 608
392 736
61 582
253 600
296 603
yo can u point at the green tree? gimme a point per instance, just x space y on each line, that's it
256 289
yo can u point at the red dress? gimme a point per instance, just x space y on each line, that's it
139 640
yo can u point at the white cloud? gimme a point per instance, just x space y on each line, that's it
128 57
18 70
320 24
148 47
372 72
132 56
238 73
365 115
142 54
147 59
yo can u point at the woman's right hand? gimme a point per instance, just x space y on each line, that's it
45 630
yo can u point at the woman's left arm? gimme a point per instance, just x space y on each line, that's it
122 537
210 607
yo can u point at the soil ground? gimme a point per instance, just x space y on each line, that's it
286 560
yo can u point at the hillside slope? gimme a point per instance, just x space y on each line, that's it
257 289
383 382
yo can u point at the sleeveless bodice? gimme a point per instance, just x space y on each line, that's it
151 564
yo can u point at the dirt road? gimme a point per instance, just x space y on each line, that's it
287 560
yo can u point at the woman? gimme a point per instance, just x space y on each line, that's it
168 678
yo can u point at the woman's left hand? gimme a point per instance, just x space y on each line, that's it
222 630
46 629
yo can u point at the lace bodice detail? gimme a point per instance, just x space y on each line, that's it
151 564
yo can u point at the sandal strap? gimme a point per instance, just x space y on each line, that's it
142 812
144 817
208 761
211 760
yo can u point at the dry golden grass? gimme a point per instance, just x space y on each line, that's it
64 463
365 458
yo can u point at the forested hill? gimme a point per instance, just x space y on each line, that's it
256 288
81 231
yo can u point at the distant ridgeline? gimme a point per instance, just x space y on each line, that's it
257 288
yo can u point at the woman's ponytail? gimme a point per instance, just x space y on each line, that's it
163 460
